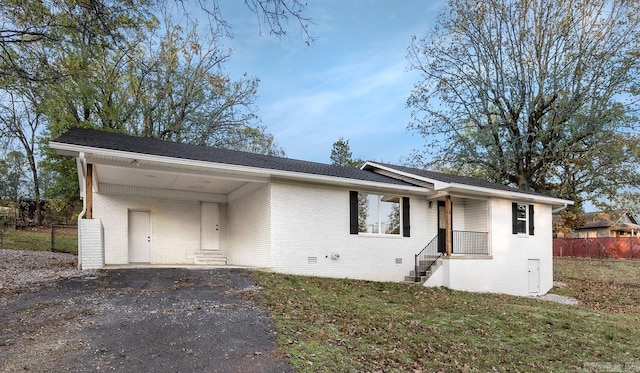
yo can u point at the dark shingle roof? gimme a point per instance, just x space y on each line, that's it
601 219
119 142
449 178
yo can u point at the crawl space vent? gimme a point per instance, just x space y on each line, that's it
312 259
398 260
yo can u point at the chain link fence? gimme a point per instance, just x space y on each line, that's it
64 238
611 271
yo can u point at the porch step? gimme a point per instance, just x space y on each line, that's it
422 278
213 258
425 270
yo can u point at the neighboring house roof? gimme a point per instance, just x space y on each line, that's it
621 220
77 140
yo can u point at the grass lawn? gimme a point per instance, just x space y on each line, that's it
346 325
40 240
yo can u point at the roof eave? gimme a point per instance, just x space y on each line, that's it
525 197
474 190
75 150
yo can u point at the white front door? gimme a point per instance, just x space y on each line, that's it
139 237
534 275
209 226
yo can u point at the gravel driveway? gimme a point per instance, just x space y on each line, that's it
160 320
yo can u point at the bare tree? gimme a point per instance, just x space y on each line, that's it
539 94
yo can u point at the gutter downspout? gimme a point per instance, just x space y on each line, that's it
82 175
557 210
81 163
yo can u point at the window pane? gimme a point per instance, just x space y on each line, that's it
390 215
363 212
521 217
371 217
378 214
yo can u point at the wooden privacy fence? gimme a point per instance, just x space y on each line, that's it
600 247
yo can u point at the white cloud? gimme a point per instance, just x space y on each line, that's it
353 82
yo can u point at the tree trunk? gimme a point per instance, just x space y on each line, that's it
36 187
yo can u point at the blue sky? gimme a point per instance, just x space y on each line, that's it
353 82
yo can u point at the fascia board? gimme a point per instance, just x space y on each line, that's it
436 184
453 188
481 191
361 185
68 149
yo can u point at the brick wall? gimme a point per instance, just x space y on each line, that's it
175 225
311 224
91 244
506 271
248 225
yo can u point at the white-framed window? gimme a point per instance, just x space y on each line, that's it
522 218
379 214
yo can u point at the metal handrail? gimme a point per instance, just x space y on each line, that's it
430 248
473 243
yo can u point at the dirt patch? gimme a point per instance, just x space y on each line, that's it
162 320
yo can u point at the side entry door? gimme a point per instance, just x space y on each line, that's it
139 236
442 227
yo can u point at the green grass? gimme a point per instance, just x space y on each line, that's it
327 325
39 240
610 285
615 271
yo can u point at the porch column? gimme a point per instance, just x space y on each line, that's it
447 226
88 191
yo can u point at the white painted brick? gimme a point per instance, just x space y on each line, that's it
175 227
91 244
282 225
313 221
507 271
249 228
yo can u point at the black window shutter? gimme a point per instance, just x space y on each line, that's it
531 220
406 225
514 218
353 212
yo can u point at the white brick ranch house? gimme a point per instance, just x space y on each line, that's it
163 203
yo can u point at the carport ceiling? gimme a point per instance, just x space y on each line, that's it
160 179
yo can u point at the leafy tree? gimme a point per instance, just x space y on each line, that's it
12 176
30 23
535 94
49 44
21 121
112 64
341 154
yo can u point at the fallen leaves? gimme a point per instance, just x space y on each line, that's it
344 325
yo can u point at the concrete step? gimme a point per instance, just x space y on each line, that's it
425 268
214 258
412 279
421 273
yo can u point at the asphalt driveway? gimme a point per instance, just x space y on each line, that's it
140 320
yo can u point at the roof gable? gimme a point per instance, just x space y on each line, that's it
451 179
601 219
